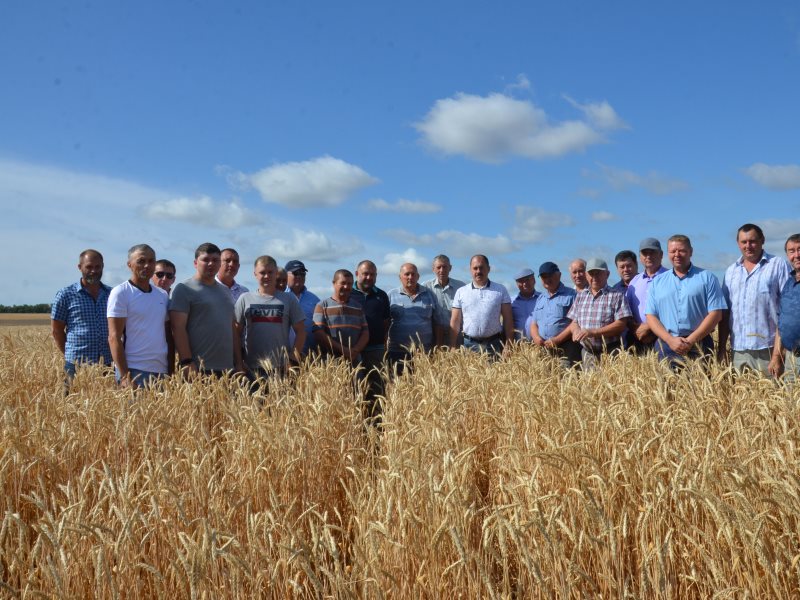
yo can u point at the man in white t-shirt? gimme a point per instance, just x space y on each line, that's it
483 308
138 323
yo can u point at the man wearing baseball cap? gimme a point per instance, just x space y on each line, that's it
523 303
599 316
548 324
650 255
296 282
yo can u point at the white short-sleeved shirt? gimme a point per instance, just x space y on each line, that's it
480 308
145 336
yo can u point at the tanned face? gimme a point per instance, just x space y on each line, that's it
442 271
627 270
651 259
367 275
142 265
526 286
577 271
751 245
207 266
680 255
91 268
342 286
598 278
480 271
163 277
551 281
409 276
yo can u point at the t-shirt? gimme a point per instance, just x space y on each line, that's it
480 308
144 313
343 322
266 321
210 322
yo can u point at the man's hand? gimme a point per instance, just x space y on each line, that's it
776 365
679 345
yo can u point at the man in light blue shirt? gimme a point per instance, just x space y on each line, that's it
752 288
523 303
684 306
548 325
413 309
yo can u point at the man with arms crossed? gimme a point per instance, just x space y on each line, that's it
683 306
201 313
548 324
413 309
78 316
483 308
650 255
752 288
599 315
444 290
164 275
138 323
228 269
788 336
263 321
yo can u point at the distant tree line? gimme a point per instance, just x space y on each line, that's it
25 308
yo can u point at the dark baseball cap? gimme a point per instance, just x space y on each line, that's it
650 244
548 268
295 265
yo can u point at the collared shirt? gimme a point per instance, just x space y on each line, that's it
376 310
412 318
789 320
550 311
308 301
480 308
236 290
87 325
636 294
592 311
444 295
754 299
522 308
620 286
681 304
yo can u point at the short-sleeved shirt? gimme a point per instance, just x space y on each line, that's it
550 311
592 311
209 323
308 301
789 319
754 299
681 304
376 311
145 313
444 295
87 325
343 322
235 290
412 319
636 294
266 322
480 308
522 308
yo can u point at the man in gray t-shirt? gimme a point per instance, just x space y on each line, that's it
201 313
263 320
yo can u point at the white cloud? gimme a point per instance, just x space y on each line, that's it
603 215
522 83
404 206
775 177
456 243
496 127
311 245
622 180
600 114
202 211
532 224
390 266
323 181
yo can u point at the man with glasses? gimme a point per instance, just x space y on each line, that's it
164 275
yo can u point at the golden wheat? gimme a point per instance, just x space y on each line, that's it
504 479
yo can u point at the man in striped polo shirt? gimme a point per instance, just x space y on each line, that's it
340 326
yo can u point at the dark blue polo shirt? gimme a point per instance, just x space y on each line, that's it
789 319
376 310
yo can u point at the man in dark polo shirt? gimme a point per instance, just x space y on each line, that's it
788 336
375 303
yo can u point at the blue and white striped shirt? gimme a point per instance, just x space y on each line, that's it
754 301
87 325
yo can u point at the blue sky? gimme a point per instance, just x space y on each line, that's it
333 132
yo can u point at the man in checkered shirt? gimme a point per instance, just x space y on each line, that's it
599 316
78 316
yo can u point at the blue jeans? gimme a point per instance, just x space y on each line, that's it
706 349
493 348
141 378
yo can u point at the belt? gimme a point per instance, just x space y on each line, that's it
484 340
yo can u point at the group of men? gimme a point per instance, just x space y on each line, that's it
216 325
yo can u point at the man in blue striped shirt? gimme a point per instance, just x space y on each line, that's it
78 316
752 288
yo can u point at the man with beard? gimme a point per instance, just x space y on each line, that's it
138 323
78 316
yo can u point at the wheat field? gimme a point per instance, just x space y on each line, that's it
494 480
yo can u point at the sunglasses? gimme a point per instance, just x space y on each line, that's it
163 274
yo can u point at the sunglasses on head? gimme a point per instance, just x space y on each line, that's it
163 274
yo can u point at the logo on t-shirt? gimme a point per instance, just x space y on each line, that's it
260 313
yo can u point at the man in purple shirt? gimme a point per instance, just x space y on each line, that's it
650 255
